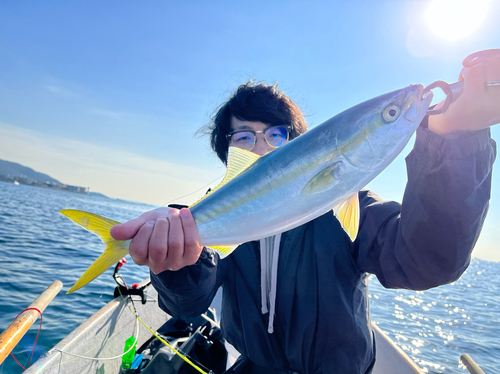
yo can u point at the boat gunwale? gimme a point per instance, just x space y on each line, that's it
111 313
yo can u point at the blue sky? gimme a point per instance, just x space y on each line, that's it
109 95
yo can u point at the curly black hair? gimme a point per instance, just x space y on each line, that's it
254 102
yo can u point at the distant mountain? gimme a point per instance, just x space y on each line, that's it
12 172
18 170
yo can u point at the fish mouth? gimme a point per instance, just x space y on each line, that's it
417 109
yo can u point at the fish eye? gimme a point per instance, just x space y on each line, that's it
391 113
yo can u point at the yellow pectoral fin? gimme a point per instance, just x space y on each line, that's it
323 180
223 250
238 160
348 215
100 226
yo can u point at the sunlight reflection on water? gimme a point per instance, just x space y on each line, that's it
436 326
39 245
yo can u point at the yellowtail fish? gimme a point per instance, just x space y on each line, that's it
319 171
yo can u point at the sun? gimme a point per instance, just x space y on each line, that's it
456 19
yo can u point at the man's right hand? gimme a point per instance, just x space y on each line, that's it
163 239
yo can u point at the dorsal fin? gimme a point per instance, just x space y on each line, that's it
238 160
347 213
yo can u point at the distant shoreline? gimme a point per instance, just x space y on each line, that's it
49 185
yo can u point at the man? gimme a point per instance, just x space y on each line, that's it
309 312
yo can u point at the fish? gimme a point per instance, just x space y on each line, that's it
321 170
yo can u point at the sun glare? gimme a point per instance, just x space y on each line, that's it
455 19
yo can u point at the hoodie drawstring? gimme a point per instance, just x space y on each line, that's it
269 253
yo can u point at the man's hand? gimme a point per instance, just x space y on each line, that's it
478 106
163 239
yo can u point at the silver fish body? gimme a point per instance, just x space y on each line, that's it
312 174
292 184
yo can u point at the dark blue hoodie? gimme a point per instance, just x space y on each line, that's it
322 320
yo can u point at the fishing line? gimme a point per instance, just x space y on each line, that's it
94 306
87 357
201 188
73 354
151 297
36 340
136 335
102 358
179 353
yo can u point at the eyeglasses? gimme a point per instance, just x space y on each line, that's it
275 136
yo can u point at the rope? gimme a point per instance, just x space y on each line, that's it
138 319
179 353
36 340
102 358
134 312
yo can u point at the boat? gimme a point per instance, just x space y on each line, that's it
98 344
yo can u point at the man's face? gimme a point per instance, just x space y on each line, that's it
275 135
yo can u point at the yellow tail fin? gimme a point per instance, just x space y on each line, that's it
100 226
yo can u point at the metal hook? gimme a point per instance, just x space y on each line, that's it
452 91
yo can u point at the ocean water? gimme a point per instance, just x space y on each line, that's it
38 246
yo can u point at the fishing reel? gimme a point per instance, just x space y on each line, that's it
122 289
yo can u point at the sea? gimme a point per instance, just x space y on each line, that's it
38 246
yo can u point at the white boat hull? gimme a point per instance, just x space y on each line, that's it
103 336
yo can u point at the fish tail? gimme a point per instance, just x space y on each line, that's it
100 226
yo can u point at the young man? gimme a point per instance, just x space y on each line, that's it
307 312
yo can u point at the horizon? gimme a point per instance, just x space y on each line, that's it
110 97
